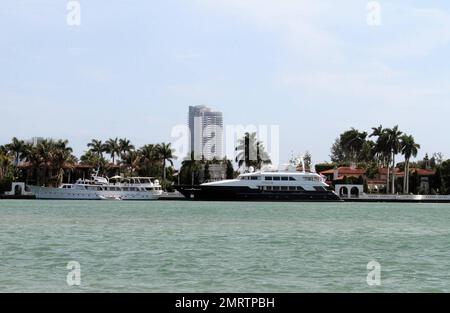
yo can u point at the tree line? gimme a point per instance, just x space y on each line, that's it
380 148
51 160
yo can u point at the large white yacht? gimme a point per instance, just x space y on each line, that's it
286 184
100 188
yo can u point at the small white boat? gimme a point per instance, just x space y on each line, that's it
111 198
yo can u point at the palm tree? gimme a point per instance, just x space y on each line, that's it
377 148
61 158
409 148
44 156
131 161
32 157
251 152
393 144
149 160
125 146
191 167
165 153
5 162
112 148
377 131
97 147
16 148
149 152
383 150
92 159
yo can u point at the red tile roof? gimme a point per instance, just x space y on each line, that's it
422 172
345 171
384 170
376 182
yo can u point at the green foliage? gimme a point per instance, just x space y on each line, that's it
6 170
325 167
206 174
442 178
251 152
230 170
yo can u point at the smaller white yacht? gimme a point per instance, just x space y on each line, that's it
100 188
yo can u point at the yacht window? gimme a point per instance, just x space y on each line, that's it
319 188
292 178
255 178
284 188
292 188
300 188
125 189
269 178
284 178
276 188
269 188
276 178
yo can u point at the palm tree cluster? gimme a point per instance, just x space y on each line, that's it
49 159
250 153
354 147
192 169
149 160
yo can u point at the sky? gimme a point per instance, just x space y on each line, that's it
315 68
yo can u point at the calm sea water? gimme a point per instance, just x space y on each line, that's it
223 247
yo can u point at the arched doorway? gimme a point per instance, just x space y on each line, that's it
354 192
18 190
343 192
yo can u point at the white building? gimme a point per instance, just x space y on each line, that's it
206 128
34 141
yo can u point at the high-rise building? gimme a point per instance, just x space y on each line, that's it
206 127
35 141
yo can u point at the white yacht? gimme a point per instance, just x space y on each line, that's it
100 188
280 185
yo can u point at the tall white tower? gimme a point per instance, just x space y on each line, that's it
206 127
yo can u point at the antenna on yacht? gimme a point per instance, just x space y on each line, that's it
303 163
301 159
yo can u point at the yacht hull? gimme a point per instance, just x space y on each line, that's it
222 193
74 194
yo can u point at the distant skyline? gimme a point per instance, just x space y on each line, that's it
315 68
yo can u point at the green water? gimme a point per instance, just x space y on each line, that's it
223 247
